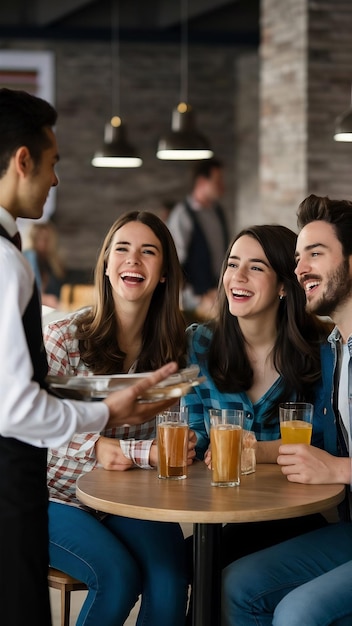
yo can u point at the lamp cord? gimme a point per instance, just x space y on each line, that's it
184 51
115 58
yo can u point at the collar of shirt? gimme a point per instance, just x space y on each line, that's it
335 337
7 222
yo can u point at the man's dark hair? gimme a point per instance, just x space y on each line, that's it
204 168
23 119
338 213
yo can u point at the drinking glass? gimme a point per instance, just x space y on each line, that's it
172 427
296 422
226 440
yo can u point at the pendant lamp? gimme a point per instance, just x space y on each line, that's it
343 125
115 150
184 142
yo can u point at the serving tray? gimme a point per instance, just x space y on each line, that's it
98 387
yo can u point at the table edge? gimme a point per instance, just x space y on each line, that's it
213 516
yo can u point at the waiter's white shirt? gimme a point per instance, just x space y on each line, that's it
27 412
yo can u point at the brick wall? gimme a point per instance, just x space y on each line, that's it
248 210
89 199
270 117
283 104
305 83
329 92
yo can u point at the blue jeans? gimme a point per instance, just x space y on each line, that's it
118 559
303 581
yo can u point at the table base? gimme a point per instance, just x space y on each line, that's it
206 609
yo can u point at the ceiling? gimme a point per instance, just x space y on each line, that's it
232 22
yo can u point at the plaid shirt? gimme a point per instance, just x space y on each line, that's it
67 463
206 396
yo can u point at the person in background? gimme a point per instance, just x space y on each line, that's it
199 228
44 256
30 418
165 209
134 326
307 580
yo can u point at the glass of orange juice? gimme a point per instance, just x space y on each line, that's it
296 422
226 426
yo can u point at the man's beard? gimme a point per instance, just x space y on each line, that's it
337 291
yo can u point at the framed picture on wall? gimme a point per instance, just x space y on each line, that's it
32 71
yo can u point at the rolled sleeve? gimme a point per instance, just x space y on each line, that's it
137 451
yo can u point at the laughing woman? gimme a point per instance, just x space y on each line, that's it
262 349
135 325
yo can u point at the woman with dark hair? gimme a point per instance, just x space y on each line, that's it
134 324
262 349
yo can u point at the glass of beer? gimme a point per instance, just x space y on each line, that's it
296 422
172 443
226 442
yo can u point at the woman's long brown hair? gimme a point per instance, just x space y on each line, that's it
163 337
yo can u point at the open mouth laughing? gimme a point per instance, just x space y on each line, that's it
309 284
132 277
241 293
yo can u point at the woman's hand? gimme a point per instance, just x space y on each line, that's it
192 440
207 457
109 454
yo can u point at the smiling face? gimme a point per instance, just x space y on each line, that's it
322 270
251 285
135 263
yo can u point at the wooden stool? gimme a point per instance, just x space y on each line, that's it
66 584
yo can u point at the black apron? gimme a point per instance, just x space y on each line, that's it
24 505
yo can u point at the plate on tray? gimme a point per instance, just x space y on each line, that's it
98 387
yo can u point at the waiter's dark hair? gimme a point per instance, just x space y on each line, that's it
23 119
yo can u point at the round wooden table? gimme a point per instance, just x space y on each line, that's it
264 495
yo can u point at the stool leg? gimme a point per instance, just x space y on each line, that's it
65 607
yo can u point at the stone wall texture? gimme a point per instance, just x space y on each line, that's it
305 83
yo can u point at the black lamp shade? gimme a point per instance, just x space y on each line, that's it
116 151
184 142
343 127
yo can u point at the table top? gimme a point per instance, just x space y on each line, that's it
264 495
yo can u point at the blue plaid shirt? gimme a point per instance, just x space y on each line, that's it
206 396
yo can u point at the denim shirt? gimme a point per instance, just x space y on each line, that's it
334 340
330 355
324 414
